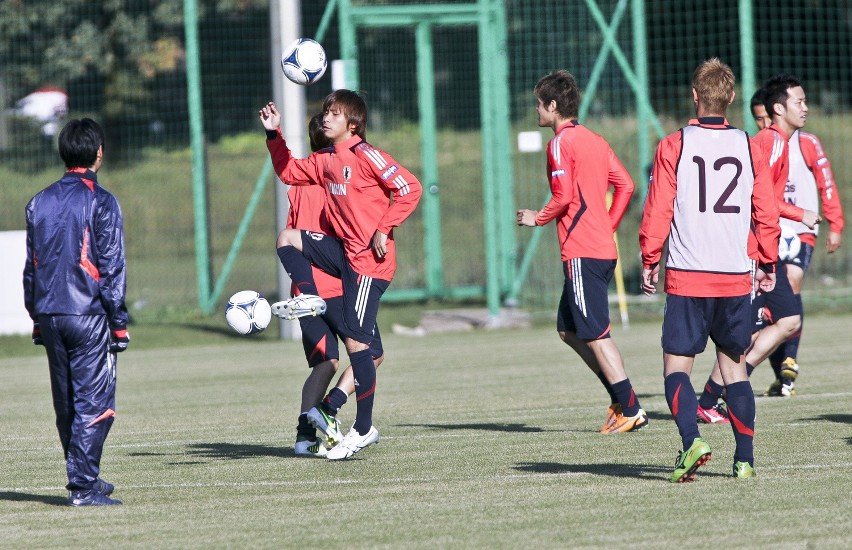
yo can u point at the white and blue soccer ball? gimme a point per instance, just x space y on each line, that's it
248 312
304 61
789 245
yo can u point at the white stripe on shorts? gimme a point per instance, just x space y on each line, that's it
577 278
361 301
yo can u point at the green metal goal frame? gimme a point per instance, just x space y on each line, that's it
504 274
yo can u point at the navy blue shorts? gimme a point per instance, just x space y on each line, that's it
584 305
688 322
361 294
781 302
758 311
319 334
803 258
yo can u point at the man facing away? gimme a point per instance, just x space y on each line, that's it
581 166
74 291
704 197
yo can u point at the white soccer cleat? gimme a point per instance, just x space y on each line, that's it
352 443
303 305
309 447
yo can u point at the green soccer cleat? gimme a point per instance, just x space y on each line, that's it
743 470
688 461
327 424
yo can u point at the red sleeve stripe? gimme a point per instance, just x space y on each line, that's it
85 263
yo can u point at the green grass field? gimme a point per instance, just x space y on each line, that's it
489 440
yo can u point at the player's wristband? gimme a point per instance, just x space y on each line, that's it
767 268
271 134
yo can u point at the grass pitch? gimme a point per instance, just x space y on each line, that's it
489 440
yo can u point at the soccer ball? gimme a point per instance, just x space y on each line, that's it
248 312
789 244
303 61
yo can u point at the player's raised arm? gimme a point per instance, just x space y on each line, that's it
290 170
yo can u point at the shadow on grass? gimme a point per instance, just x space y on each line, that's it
222 451
233 451
659 416
488 426
13 496
633 471
829 417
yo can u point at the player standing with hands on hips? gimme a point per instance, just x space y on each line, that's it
704 196
368 193
581 166
74 290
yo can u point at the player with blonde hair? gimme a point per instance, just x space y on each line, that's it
708 188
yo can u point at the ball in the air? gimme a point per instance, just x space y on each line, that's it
304 61
248 312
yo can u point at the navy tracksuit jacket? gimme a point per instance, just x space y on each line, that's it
74 287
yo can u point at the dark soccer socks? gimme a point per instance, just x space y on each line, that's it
298 268
740 398
684 406
626 397
365 387
711 394
612 397
304 427
334 401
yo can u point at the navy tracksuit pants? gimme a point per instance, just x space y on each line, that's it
82 379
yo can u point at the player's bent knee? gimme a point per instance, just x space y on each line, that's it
789 325
290 237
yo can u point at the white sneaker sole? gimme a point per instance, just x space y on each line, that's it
303 305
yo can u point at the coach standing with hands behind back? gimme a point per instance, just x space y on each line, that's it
74 291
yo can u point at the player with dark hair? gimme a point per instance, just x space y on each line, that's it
582 166
74 290
367 193
779 312
758 110
319 333
709 190
810 183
